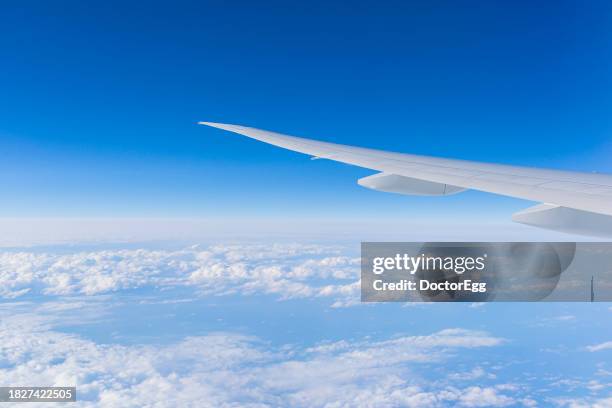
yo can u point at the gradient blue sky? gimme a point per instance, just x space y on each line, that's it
100 100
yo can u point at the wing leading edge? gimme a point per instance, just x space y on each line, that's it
575 202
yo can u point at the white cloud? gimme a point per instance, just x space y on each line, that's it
603 372
284 270
599 347
605 402
230 369
477 305
529 402
475 373
484 397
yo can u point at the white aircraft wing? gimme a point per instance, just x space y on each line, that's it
573 202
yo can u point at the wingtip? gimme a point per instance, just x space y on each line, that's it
223 126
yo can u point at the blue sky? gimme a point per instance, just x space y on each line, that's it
100 102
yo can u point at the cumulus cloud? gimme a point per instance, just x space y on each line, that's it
283 270
484 397
232 369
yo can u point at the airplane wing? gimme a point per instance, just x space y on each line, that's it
572 202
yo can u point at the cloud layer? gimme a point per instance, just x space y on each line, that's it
444 367
283 270
232 369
